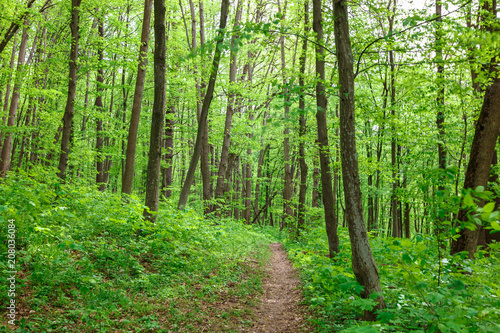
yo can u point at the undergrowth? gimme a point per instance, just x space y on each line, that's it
88 262
466 297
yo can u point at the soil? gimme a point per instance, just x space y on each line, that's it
280 310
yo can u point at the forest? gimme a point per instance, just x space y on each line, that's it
157 158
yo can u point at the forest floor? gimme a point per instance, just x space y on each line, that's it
280 309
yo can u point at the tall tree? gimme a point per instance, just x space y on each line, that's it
158 117
99 106
69 111
287 190
302 125
226 141
128 174
324 150
363 264
484 142
206 105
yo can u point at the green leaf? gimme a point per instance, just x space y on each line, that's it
495 225
407 258
488 208
468 200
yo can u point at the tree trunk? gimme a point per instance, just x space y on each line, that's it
158 117
302 126
7 90
481 156
315 190
204 110
168 144
324 151
287 190
70 107
128 175
226 142
99 106
363 264
14 103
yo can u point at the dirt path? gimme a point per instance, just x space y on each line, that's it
279 310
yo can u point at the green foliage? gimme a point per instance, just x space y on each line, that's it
92 259
464 299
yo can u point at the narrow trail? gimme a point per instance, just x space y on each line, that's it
279 310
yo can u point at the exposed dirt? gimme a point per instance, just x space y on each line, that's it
280 310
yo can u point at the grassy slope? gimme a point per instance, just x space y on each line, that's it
82 267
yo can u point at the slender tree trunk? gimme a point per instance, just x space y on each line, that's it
7 90
316 176
128 175
204 110
226 142
70 107
169 150
14 103
158 118
363 264
302 127
324 151
99 106
287 190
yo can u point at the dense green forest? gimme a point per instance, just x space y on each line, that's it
151 150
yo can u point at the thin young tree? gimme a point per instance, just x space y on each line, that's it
363 264
302 126
226 142
128 174
206 105
324 150
69 111
158 117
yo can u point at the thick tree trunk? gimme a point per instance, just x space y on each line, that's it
324 151
14 103
363 264
204 110
158 117
128 174
481 156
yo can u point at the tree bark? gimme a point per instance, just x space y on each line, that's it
99 106
204 110
481 156
168 144
158 117
69 111
324 151
226 141
128 175
287 190
363 264
302 126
